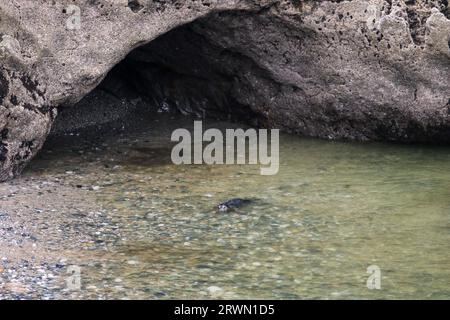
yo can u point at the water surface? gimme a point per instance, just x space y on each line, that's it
333 210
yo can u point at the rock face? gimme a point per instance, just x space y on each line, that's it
366 70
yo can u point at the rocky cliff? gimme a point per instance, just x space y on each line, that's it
365 70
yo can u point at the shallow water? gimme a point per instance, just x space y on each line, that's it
333 210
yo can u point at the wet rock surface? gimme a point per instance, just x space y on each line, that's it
365 70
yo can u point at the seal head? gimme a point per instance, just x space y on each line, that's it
232 204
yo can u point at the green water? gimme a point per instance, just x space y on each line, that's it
333 210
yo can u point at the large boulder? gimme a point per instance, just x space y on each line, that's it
366 70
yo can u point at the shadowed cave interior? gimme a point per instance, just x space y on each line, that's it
181 72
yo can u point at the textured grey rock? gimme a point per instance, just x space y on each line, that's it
364 70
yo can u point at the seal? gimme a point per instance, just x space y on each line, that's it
232 204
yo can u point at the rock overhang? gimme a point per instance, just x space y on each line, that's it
366 70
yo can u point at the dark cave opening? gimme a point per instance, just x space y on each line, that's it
181 72
263 71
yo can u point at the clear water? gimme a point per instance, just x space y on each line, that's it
333 210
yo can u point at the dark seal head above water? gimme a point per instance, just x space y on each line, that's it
232 204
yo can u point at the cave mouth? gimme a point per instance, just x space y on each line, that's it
180 73
263 71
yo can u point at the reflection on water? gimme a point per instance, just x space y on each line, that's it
333 210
